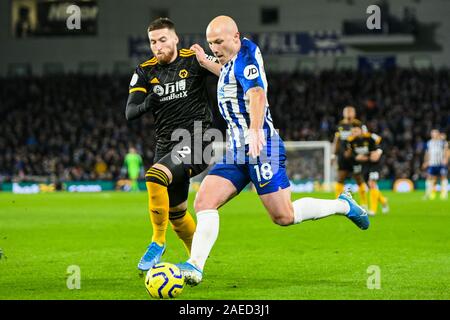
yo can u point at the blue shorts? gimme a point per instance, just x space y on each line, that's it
437 170
267 172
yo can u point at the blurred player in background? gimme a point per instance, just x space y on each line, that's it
134 164
172 85
365 151
255 151
436 164
345 165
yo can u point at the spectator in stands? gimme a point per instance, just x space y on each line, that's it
67 125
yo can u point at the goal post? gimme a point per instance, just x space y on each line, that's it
310 161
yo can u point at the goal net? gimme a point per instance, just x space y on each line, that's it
308 165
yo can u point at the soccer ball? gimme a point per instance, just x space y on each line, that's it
164 281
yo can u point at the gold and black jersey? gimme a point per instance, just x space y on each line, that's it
343 132
179 95
364 144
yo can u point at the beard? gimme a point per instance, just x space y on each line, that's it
166 57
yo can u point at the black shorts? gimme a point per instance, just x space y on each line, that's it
186 160
345 164
371 171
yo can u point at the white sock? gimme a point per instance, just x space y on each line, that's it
204 237
428 187
313 209
444 184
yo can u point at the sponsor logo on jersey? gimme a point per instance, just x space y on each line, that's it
344 134
362 150
159 90
251 72
172 90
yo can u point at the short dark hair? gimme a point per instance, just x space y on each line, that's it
356 123
161 23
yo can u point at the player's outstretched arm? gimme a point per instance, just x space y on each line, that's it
138 103
207 62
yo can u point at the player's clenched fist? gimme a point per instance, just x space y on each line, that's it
199 53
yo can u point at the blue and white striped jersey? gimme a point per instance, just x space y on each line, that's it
237 76
436 152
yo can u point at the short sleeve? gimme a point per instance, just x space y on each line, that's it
249 70
372 144
376 138
138 81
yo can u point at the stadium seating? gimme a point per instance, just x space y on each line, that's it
68 127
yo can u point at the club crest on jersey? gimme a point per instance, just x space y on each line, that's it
183 73
251 72
171 90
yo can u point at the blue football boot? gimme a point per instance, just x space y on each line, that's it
192 275
151 257
357 214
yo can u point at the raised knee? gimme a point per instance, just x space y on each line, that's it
283 219
202 203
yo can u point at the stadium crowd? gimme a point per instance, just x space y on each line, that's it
73 127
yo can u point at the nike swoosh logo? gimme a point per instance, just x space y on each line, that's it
264 184
154 211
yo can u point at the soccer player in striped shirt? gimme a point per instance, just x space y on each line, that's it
255 151
436 164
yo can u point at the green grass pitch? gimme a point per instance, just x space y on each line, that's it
105 234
